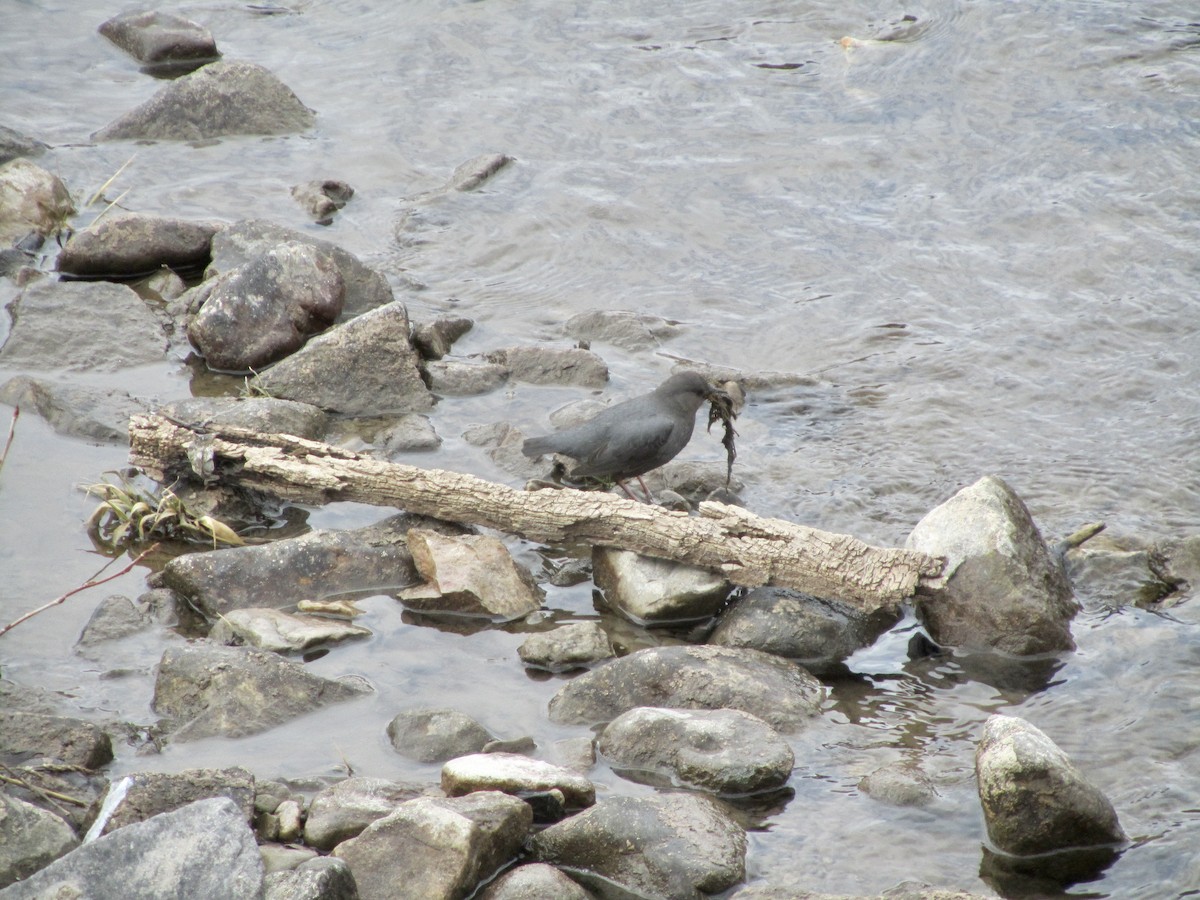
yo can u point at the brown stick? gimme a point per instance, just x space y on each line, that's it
747 549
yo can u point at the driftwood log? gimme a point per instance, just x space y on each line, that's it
746 549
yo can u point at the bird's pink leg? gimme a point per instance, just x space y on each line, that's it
626 490
644 491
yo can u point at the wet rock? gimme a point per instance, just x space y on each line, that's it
343 810
282 572
30 839
685 677
471 575
474 172
31 199
321 199
1034 798
263 414
621 328
899 785
719 750
114 617
204 849
161 39
365 367
566 647
410 433
81 327
577 754
1002 589
165 284
243 241
94 414
651 591
535 881
219 99
143 795
513 773
436 735
548 365
280 632
323 878
817 633
267 308
696 479
455 378
28 735
433 340
37 784
437 847
234 691
280 858
128 245
13 144
674 845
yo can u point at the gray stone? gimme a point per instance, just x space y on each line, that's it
114 617
724 751
685 677
437 848
411 432
566 647
621 328
280 858
144 795
901 784
204 850
93 414
282 572
267 308
263 414
321 199
81 327
156 38
513 773
323 878
31 200
126 245
219 99
343 810
13 144
456 378
365 367
239 243
38 782
817 633
280 632
70 741
436 735
1002 589
656 591
535 881
30 839
434 339
469 574
234 691
474 172
547 365
1035 800
682 846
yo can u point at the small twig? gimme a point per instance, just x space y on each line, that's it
100 190
92 582
12 431
45 792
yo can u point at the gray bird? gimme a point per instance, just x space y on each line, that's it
636 435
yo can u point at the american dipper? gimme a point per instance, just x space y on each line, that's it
636 435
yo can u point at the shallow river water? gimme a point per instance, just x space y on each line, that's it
977 231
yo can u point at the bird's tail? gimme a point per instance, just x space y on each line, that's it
538 446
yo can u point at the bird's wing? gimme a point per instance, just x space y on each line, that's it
640 442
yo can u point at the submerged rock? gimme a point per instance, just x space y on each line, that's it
94 414
724 751
14 144
1002 589
341 811
129 245
321 199
566 647
113 618
280 632
143 795
684 677
681 846
365 367
31 200
204 690
267 308
1034 798
456 378
902 784
436 735
72 742
159 39
648 590
434 339
30 839
219 99
548 365
819 634
204 849
514 773
437 848
621 328
474 172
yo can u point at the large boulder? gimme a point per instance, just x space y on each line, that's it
219 99
128 245
30 839
1002 589
31 199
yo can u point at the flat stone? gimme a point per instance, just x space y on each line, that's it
436 735
154 38
899 785
469 575
280 632
513 773
267 415
547 365
66 740
648 590
128 245
566 647
457 378
93 414
622 328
